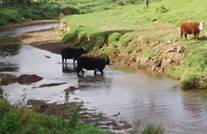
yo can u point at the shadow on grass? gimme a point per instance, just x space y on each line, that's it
203 38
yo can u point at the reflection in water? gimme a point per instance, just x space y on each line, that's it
69 69
6 50
93 81
135 96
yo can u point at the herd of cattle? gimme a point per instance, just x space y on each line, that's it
84 62
99 63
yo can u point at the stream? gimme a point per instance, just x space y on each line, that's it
137 96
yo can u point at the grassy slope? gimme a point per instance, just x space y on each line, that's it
48 9
24 121
137 21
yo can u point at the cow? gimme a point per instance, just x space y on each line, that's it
191 27
71 53
92 63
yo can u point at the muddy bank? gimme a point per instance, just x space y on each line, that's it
89 116
162 58
45 39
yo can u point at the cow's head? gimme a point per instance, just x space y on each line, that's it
201 26
107 60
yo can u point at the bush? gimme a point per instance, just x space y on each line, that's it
188 81
10 123
151 129
69 37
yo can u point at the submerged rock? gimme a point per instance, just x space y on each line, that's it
50 85
28 79
7 78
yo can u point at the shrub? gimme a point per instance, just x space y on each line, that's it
151 129
188 81
69 37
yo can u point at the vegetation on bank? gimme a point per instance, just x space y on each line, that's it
23 121
15 120
50 9
147 32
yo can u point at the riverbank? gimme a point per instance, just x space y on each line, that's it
26 120
145 38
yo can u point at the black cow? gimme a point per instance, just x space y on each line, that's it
71 53
91 63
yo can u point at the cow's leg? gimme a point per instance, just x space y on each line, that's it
181 35
82 72
66 64
95 72
78 72
62 61
186 36
195 35
101 72
74 62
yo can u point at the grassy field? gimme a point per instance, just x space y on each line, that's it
135 28
50 9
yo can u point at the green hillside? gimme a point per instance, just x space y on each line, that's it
50 9
147 32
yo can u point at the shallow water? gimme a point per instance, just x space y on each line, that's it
137 96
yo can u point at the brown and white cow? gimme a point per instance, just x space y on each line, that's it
191 27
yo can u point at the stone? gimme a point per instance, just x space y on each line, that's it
28 79
7 78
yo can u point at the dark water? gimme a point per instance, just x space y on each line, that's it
137 96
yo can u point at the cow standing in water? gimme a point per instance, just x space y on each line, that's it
191 27
71 53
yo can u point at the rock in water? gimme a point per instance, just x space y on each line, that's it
28 79
7 78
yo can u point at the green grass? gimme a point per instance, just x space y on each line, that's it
23 121
50 9
137 24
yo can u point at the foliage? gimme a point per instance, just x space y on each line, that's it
23 121
151 129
